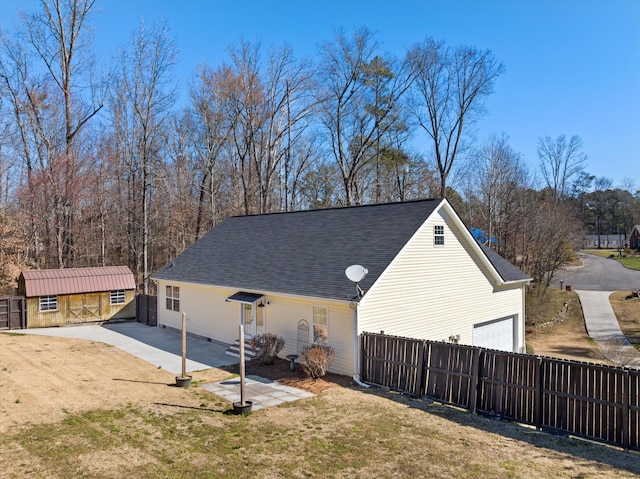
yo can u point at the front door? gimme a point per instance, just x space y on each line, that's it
253 319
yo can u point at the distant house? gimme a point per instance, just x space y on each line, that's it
285 273
604 241
634 237
57 297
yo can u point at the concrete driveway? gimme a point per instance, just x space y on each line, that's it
594 282
158 346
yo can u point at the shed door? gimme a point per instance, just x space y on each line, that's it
496 334
84 308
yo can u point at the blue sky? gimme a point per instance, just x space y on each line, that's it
572 66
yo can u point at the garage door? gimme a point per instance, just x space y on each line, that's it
496 334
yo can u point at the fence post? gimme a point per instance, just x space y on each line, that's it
537 400
363 371
626 392
23 313
475 380
421 368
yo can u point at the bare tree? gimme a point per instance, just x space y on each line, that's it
209 133
450 89
550 235
499 180
141 97
561 161
359 94
52 109
269 107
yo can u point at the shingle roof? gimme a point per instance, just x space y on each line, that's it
507 271
45 282
302 253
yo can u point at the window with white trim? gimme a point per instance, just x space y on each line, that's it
173 298
438 235
48 303
118 296
320 325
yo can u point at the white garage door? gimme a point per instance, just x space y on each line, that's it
494 334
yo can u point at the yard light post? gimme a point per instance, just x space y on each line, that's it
184 380
242 406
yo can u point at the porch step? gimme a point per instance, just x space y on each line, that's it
234 350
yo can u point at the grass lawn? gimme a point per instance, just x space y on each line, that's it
342 433
627 310
631 262
168 432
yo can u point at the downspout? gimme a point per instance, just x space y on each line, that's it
356 347
523 348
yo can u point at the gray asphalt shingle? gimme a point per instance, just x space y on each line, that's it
303 252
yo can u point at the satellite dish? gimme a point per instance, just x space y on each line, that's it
356 273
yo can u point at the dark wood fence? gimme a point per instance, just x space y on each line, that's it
589 400
147 309
13 313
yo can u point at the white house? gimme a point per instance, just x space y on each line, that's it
285 273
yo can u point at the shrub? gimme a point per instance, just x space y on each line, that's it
268 346
316 360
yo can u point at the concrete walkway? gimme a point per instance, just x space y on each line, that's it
602 325
158 346
261 391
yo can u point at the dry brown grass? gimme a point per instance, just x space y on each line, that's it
627 310
550 333
84 409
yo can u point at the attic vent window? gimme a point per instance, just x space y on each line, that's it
438 235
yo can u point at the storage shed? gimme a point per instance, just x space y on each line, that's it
57 297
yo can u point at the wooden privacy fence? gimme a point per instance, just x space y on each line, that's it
589 400
13 312
147 309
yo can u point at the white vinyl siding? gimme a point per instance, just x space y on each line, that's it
210 316
433 293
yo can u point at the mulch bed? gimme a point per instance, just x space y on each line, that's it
280 371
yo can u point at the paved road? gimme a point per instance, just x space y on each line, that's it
598 274
594 282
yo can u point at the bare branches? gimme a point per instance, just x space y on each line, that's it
561 160
450 88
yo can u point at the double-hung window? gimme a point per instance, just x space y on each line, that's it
321 325
173 298
118 296
48 303
438 235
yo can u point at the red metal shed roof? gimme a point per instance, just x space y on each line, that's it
45 282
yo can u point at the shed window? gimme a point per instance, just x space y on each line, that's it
173 298
118 297
438 235
320 325
48 303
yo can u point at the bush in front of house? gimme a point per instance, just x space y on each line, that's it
268 346
316 360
